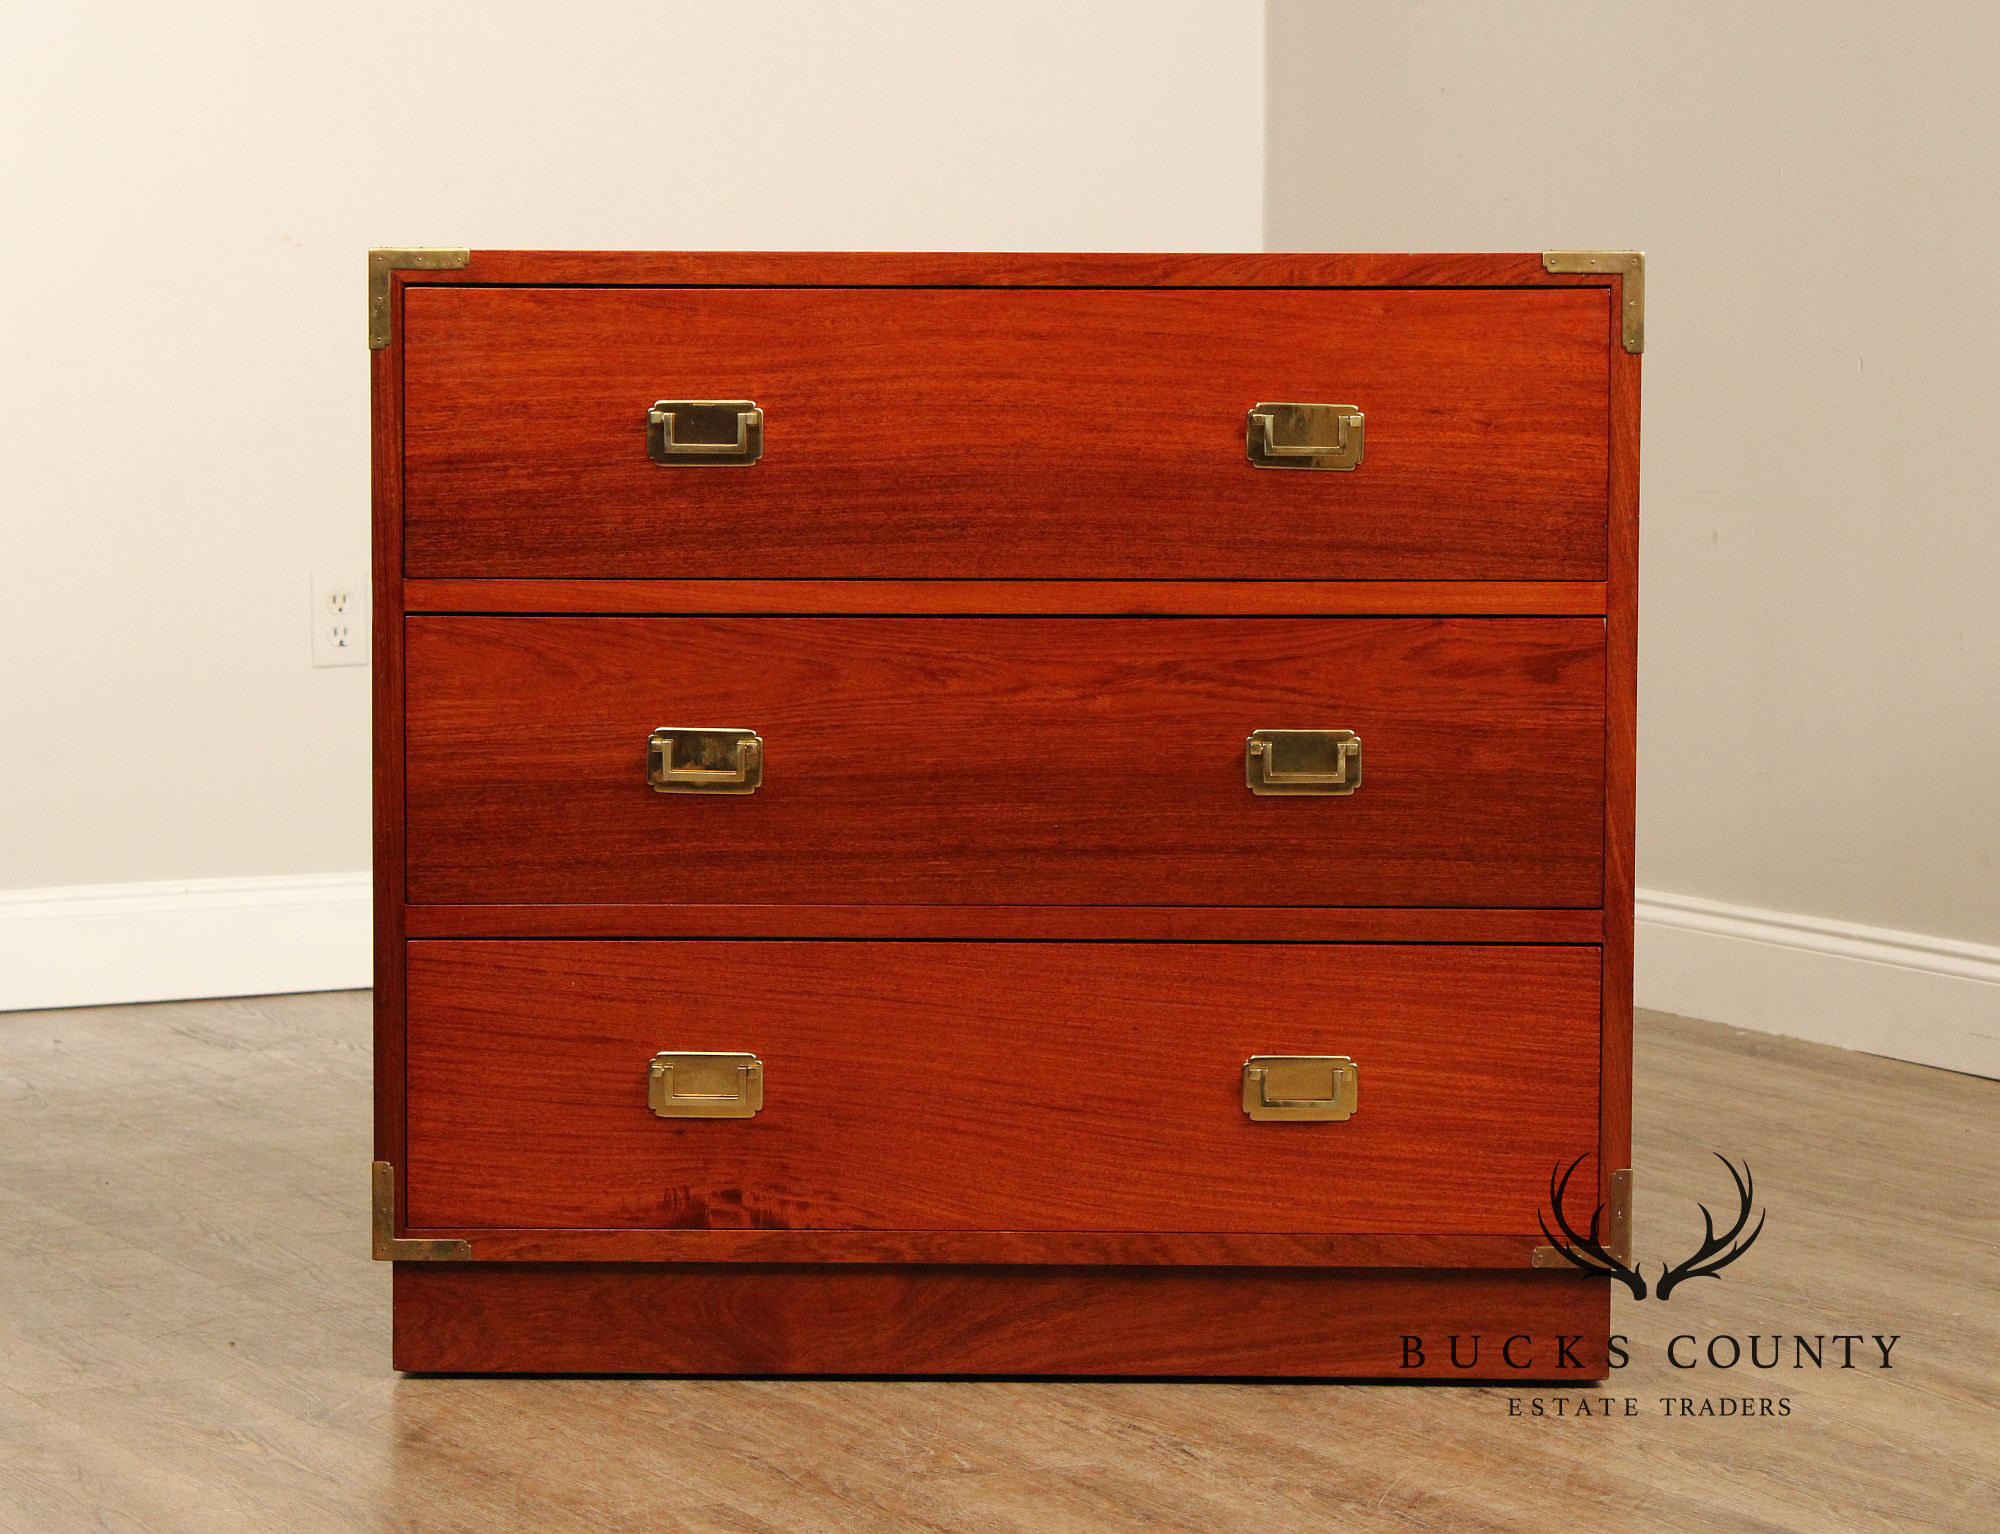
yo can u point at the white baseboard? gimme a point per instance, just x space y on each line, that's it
98 944
1932 1000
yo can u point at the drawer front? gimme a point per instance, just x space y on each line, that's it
1006 761
996 1086
1005 433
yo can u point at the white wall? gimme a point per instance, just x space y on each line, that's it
191 190
1817 187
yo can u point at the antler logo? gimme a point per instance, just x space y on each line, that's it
1590 1252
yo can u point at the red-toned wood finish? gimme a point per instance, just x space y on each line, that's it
1621 750
756 1319
1238 599
1016 923
931 1085
934 761
1064 1248
983 269
385 383
1004 433
593 1300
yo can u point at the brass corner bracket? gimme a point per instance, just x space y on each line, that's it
390 1247
1629 264
1618 1228
382 262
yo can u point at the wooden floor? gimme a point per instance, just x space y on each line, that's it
192 1337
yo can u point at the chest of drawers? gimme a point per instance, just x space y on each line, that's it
1003 814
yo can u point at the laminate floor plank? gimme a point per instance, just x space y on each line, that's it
192 1337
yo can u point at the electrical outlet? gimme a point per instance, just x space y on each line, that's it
339 620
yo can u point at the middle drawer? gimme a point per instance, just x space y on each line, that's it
1075 761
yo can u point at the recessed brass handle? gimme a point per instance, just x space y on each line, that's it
1302 762
705 1084
1310 1089
704 433
1281 436
687 761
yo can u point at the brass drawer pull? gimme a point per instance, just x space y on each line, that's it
683 761
1315 1089
704 433
705 1085
1302 762
1279 436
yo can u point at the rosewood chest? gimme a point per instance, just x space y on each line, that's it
1003 814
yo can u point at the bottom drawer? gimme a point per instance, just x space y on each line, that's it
945 1086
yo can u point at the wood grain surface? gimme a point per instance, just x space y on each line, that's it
1018 923
1005 433
1235 599
961 435
1003 1248
1621 757
914 1086
386 688
1007 269
938 761
758 1319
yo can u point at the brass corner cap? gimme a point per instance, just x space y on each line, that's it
389 259
1629 264
1618 1227
390 1247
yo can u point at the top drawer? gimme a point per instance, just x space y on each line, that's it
1006 433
